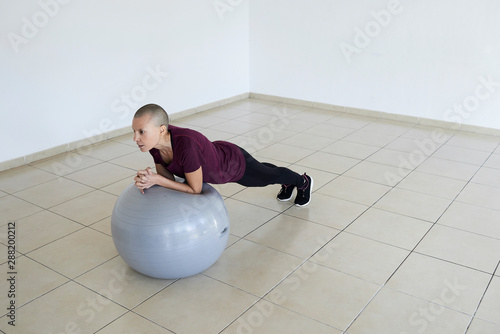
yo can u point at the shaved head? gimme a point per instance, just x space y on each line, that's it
158 115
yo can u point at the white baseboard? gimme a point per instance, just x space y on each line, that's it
304 103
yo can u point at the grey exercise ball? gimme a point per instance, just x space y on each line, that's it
169 234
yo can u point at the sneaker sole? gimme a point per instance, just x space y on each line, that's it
312 184
285 199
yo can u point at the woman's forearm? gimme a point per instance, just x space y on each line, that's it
174 185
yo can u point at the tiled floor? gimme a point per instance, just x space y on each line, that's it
402 235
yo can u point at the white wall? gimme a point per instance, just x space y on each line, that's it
66 73
422 60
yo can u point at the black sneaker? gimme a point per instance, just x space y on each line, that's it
304 193
286 192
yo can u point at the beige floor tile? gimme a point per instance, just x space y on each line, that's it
448 168
118 187
440 282
132 323
87 209
461 247
354 190
427 132
268 318
263 197
417 146
328 211
493 161
252 141
134 161
229 189
460 154
292 235
32 280
390 228
351 150
42 228
298 125
13 208
388 126
202 120
244 217
472 218
479 326
252 104
117 281
76 253
226 112
234 126
328 162
286 153
232 240
329 131
378 173
475 141
215 305
431 184
262 137
252 267
103 226
214 135
324 295
321 178
16 179
351 121
397 158
70 307
480 195
370 138
487 176
107 150
308 141
53 192
489 309
66 163
395 312
102 175
413 204
127 139
3 254
317 115
367 259
260 118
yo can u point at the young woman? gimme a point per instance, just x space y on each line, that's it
189 154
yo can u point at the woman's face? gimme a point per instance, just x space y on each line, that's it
146 134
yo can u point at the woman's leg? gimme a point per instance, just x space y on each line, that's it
259 174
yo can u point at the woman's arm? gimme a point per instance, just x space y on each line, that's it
164 172
146 179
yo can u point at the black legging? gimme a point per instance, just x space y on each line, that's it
261 174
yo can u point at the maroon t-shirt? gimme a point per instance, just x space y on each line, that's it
221 161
